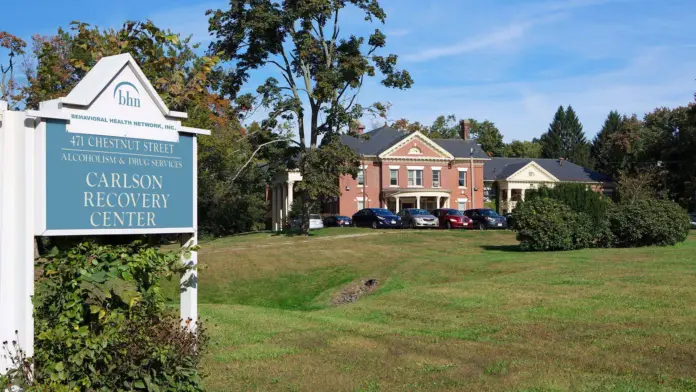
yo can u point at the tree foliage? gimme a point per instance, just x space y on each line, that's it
649 222
102 324
565 138
488 136
319 72
545 224
523 149
11 90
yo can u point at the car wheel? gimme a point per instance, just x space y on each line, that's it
412 225
374 225
448 225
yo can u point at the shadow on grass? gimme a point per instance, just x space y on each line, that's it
502 248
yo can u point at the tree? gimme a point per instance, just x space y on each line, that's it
10 89
320 73
600 150
523 149
565 138
405 126
445 127
488 136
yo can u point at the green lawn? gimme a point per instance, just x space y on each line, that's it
454 311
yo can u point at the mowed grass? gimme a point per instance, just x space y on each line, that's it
455 311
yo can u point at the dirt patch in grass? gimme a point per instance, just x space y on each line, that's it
353 292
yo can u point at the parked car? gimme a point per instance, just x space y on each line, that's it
449 218
338 221
376 218
510 218
485 218
693 221
415 217
315 222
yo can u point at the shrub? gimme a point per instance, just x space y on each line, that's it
576 196
101 323
545 224
649 222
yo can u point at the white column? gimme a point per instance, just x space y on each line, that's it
17 180
417 201
291 185
509 196
398 206
523 194
189 283
284 204
274 208
438 203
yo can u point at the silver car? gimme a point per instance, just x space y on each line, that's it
416 218
693 221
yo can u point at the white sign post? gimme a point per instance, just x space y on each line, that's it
109 158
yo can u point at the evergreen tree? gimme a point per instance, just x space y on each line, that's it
565 138
551 144
601 145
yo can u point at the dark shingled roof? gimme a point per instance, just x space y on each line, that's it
501 168
380 139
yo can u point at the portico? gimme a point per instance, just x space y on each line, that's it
282 196
428 199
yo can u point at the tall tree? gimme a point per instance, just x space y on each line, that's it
488 136
565 138
600 150
320 72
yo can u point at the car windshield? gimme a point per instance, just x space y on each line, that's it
314 216
416 211
454 212
490 213
381 211
342 217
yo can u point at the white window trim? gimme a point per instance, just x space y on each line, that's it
436 168
463 169
397 176
414 169
439 180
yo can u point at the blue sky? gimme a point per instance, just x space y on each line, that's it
512 62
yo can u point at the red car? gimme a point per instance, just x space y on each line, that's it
452 219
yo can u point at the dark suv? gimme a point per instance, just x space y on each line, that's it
376 218
485 218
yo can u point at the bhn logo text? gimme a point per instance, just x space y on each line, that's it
126 94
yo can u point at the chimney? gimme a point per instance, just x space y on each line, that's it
357 127
561 160
465 126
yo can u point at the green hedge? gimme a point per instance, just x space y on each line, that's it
545 224
649 222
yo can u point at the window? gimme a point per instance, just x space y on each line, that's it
415 178
394 177
462 178
436 178
461 205
361 205
361 178
415 151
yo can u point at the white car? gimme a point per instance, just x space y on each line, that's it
315 222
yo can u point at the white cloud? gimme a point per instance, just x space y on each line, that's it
397 33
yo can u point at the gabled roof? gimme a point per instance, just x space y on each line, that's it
502 168
379 140
99 77
416 135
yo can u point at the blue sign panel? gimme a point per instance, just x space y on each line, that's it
96 182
